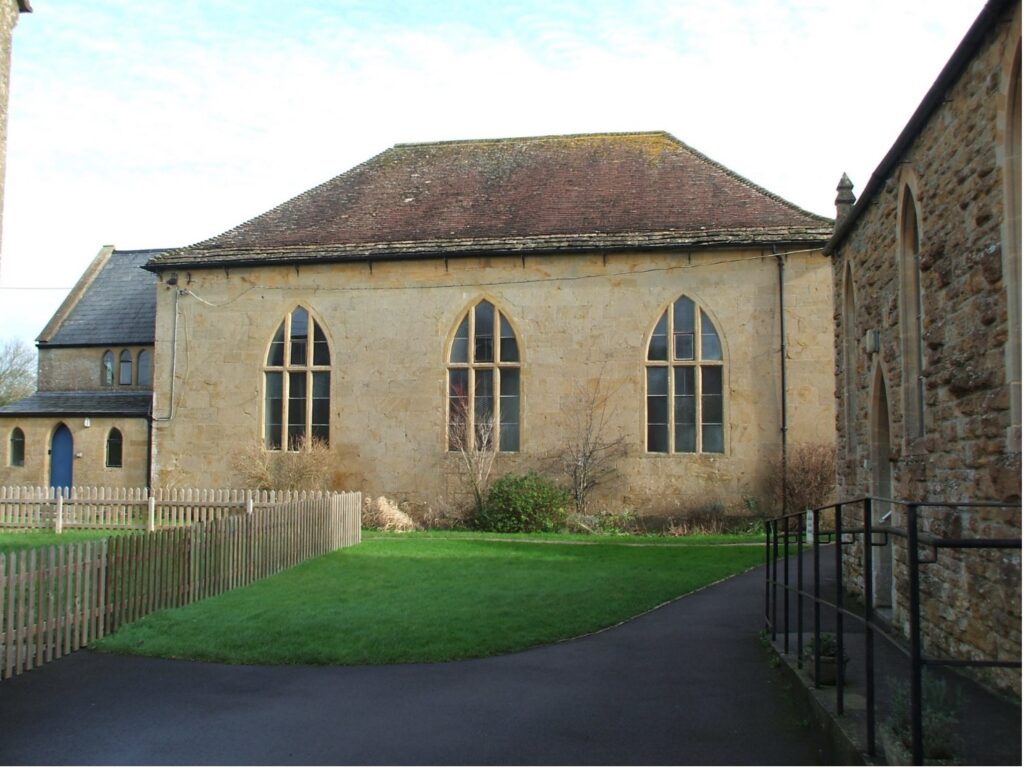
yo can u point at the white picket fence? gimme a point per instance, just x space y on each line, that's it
93 507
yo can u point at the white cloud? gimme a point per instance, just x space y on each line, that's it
165 122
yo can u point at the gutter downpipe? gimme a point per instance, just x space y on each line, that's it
781 258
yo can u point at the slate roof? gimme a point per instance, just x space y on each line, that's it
539 194
115 306
82 403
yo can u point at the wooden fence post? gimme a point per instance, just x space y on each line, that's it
58 521
151 522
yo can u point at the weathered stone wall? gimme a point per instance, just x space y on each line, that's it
80 368
91 442
970 448
579 318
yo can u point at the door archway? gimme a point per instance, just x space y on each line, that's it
62 457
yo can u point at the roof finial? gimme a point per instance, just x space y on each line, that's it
844 200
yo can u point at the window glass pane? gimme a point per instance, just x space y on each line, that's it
321 352
509 409
509 345
483 408
657 409
683 325
685 409
299 337
107 373
710 347
460 345
276 355
17 448
272 416
125 371
711 409
658 349
114 446
296 410
320 427
483 344
145 369
458 407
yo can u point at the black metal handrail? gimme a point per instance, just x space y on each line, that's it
780 531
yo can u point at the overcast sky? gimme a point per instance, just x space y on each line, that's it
164 122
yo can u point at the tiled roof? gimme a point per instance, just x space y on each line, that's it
116 307
82 403
552 193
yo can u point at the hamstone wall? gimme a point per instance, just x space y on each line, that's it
578 318
81 368
90 444
970 449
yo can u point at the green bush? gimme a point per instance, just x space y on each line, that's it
524 503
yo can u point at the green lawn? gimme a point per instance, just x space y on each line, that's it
425 599
24 539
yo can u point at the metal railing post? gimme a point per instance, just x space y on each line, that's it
916 737
800 598
869 633
775 577
839 606
785 583
767 574
817 597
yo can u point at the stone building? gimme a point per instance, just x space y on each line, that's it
456 291
9 12
926 286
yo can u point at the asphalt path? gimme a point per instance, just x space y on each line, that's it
689 683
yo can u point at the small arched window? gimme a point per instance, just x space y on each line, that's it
107 368
145 369
115 448
483 382
297 384
685 383
850 349
17 448
124 375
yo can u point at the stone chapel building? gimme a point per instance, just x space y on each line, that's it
441 289
927 291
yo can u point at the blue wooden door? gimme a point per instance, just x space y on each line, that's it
62 455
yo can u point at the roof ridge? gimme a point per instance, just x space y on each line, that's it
542 137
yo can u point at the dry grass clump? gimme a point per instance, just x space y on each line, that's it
709 521
383 514
307 468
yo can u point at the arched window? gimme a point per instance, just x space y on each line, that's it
107 368
124 374
115 448
145 369
911 317
297 384
17 452
483 382
685 383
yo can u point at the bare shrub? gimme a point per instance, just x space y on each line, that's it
477 449
384 514
306 468
705 520
589 454
810 477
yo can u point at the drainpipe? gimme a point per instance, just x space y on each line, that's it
781 259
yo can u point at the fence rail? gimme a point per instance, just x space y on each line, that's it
54 600
92 507
855 529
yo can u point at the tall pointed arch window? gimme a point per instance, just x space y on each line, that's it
483 382
115 448
124 373
911 317
850 349
17 448
685 383
145 375
107 368
297 385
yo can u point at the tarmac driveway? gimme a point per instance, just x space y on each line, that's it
686 684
